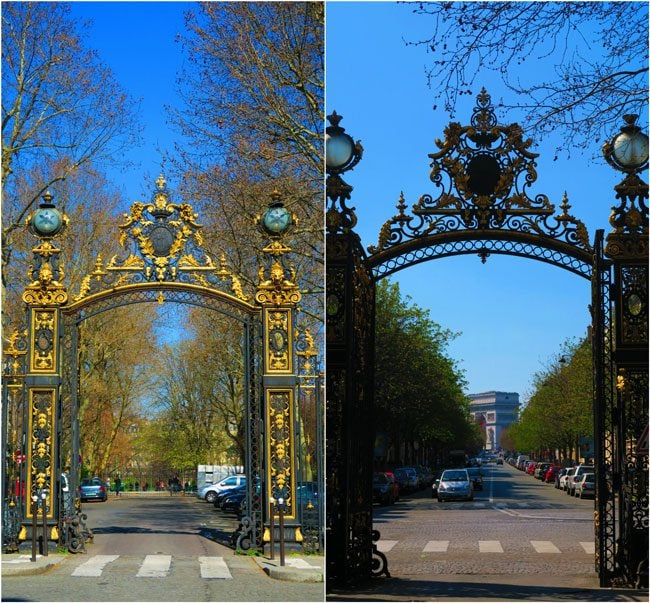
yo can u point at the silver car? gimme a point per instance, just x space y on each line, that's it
455 484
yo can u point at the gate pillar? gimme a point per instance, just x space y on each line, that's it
350 307
278 296
43 297
627 247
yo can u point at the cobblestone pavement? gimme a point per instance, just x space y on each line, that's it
519 540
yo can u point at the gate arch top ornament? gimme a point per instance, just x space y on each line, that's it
164 245
484 171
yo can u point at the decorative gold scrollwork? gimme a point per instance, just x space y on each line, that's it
165 247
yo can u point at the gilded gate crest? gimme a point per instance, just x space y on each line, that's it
164 244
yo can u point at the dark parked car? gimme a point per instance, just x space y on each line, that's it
221 496
93 488
382 489
402 479
476 476
232 502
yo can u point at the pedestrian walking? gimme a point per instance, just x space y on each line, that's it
118 485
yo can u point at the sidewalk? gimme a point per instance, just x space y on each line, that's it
296 569
22 565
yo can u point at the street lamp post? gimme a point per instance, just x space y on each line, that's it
341 155
350 430
627 247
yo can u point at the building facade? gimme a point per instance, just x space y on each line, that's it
494 411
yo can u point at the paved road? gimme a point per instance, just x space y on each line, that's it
159 549
519 540
516 525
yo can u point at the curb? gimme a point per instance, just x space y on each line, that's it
294 570
22 565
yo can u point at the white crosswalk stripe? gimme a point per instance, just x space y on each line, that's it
589 547
544 546
214 567
487 546
436 546
94 566
155 566
383 546
490 546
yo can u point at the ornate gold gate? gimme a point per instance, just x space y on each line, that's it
161 260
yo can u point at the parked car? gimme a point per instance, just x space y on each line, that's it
382 489
476 476
231 503
412 481
209 492
550 474
586 486
530 467
575 478
221 496
540 470
93 488
391 476
559 475
455 484
566 477
402 479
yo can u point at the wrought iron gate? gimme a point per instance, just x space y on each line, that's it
483 173
162 261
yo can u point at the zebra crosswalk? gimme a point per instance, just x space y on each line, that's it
153 566
489 546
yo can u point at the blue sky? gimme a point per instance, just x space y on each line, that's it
137 41
513 313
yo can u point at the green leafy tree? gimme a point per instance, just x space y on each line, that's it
560 410
418 388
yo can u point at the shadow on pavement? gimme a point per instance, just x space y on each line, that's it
394 589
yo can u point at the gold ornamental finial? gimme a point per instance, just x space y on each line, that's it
161 182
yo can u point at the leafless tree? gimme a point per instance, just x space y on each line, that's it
576 67
61 108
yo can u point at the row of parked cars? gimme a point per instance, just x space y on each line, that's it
229 494
578 481
388 485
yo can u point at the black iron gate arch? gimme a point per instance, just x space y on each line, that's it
161 260
483 173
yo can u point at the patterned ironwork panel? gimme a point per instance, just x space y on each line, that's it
632 555
633 306
483 172
350 431
41 454
455 244
280 469
605 420
249 533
